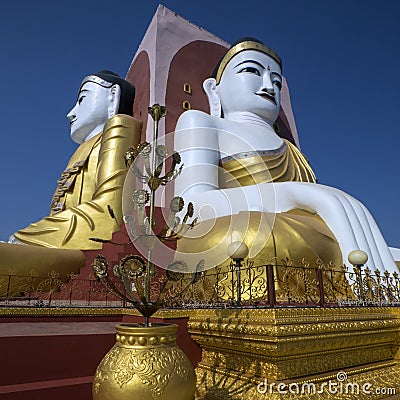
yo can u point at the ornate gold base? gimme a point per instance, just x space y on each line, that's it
249 353
381 381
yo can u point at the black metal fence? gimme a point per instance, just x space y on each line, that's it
33 290
286 285
234 285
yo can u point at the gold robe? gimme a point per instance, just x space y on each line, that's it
285 164
293 238
93 179
294 235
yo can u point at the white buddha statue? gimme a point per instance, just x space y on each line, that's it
102 124
235 165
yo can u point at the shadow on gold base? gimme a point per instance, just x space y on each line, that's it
349 347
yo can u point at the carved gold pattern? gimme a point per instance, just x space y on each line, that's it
227 385
242 346
144 363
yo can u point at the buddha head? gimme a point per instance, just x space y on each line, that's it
248 80
101 96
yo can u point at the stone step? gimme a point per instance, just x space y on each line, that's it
60 389
52 360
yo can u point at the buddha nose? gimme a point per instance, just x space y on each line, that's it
71 115
267 83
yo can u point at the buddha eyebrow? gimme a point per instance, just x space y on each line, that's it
275 73
80 93
250 61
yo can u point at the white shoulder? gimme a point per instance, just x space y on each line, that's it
195 119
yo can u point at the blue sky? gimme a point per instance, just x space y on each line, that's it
341 60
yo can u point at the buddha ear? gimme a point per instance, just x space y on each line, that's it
115 96
209 86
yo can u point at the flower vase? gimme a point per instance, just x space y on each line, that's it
145 364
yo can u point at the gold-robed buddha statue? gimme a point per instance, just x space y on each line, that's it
247 152
250 185
102 123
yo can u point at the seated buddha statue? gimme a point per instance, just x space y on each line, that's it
102 124
249 184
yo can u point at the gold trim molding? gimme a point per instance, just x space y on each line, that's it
88 311
240 347
220 384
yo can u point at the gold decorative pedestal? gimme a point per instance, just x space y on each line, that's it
324 353
145 364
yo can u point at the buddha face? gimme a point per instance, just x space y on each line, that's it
251 83
90 112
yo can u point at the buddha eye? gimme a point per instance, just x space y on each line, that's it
80 99
277 83
251 70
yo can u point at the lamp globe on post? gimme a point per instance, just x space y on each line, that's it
238 251
358 258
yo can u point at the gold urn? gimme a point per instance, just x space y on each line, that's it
145 364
